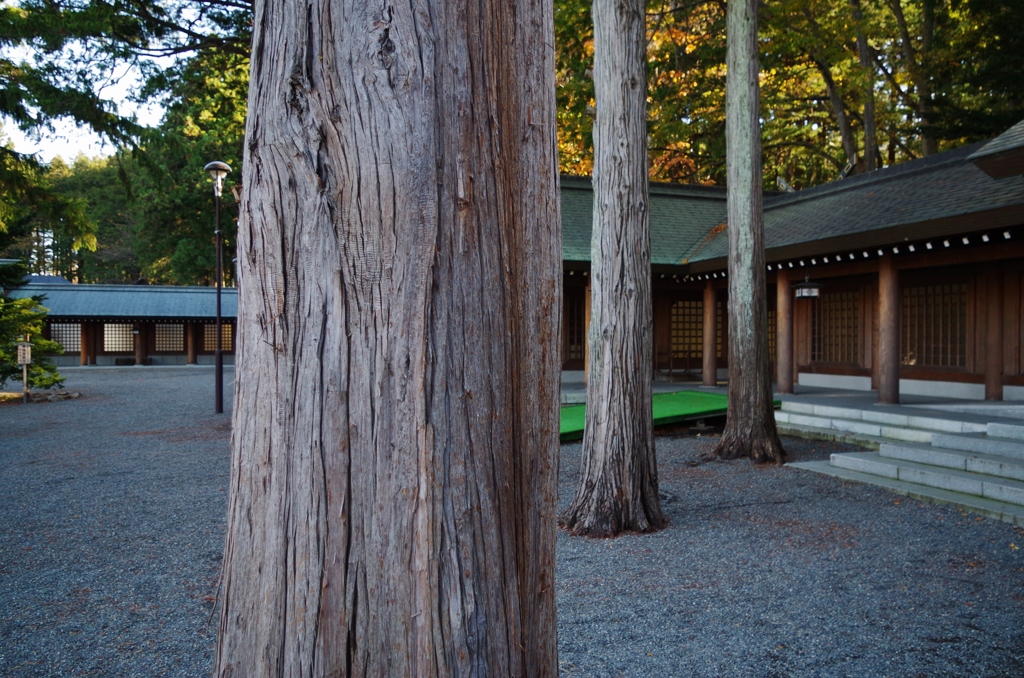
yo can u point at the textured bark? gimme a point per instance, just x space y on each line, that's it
750 422
618 488
392 502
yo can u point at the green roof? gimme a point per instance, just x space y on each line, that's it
127 302
930 197
919 199
680 216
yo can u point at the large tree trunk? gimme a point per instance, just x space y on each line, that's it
750 423
618 488
392 502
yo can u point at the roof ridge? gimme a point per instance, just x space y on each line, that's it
884 174
578 182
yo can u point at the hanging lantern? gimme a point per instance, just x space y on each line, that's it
807 289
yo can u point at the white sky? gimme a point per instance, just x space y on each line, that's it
68 140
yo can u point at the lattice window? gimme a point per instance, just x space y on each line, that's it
68 335
687 329
835 328
575 329
170 337
118 338
933 326
210 337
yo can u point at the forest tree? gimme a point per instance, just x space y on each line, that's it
750 421
618 488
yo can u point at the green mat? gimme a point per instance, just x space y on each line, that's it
669 408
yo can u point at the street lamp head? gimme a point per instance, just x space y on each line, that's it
217 170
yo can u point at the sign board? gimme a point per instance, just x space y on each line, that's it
24 354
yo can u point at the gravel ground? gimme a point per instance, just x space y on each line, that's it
112 521
112 525
769 571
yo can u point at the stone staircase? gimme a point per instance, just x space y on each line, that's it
937 457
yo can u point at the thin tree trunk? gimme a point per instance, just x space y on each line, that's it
750 421
867 65
843 120
917 71
392 501
834 95
618 488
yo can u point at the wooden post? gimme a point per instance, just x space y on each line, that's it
888 331
783 333
662 331
95 341
586 333
994 334
190 342
140 343
710 329
84 337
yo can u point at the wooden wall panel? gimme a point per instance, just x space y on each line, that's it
1011 321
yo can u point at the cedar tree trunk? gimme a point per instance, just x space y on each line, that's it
750 424
618 488
392 502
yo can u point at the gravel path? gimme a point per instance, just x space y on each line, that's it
112 520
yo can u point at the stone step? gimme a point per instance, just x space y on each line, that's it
855 426
825 422
796 412
831 434
1011 431
1000 467
1007 512
980 444
955 480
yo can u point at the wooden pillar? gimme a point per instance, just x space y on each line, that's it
84 338
140 343
888 331
91 334
190 342
783 333
710 329
994 334
586 335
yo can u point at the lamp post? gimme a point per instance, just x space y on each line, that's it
218 170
